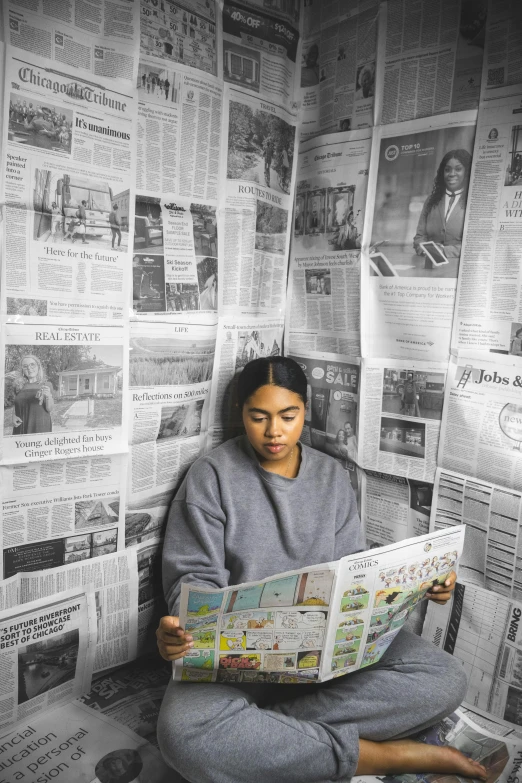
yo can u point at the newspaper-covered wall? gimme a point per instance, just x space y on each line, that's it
394 507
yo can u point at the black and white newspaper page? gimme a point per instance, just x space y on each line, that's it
394 507
337 78
430 58
63 391
488 314
482 423
502 74
47 653
66 164
61 511
325 261
493 518
413 231
401 411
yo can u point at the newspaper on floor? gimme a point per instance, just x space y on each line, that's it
394 507
481 629
490 745
401 410
413 232
488 313
76 743
337 79
429 58
102 40
502 73
324 279
258 155
63 391
60 511
493 518
66 170
481 428
47 653
312 624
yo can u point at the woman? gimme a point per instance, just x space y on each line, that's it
207 298
341 447
442 216
33 400
261 504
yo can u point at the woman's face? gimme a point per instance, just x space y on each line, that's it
454 174
273 418
341 437
29 369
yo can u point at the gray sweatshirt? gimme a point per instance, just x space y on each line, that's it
232 521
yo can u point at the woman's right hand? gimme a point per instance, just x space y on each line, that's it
17 421
172 640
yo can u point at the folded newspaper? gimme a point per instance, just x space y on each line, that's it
316 623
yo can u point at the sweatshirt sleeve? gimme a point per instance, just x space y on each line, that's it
349 537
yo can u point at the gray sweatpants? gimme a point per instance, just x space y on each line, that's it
256 733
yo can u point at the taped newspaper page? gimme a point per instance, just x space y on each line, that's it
151 603
238 341
413 231
338 53
312 624
61 511
67 162
325 267
47 654
493 518
482 630
400 416
63 391
488 314
394 507
76 743
102 41
482 423
430 58
255 204
502 74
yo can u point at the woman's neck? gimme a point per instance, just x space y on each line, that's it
288 468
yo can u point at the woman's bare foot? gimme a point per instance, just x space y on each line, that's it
401 756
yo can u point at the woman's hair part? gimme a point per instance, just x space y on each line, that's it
271 371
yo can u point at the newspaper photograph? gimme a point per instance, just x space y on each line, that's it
492 515
416 205
239 341
401 416
481 629
502 73
60 512
174 264
103 42
429 58
63 391
324 279
394 508
481 427
315 623
337 76
75 742
179 133
488 314
151 603
47 654
67 163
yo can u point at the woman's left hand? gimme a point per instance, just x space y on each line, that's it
441 594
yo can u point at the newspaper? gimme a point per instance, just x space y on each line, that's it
256 202
238 341
481 427
502 74
102 41
314 623
394 507
489 305
429 58
60 511
324 279
481 629
410 232
76 743
337 80
47 654
66 165
62 391
151 603
492 514
400 416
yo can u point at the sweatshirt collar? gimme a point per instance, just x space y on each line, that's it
282 482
